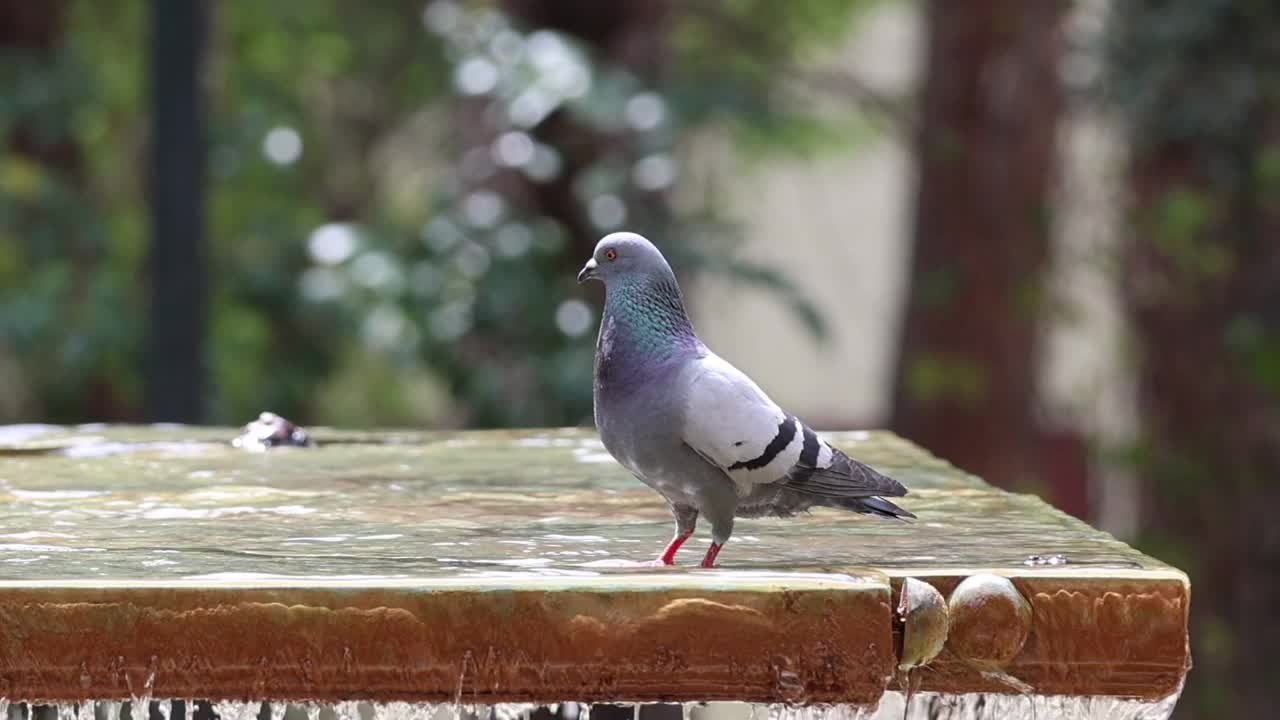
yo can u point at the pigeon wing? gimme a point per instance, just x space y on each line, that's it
734 425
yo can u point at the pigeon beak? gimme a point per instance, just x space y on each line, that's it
588 271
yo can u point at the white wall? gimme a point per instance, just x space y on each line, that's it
837 225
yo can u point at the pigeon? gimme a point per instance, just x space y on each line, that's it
692 426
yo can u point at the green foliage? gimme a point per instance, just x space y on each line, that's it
939 378
1268 175
65 307
1200 80
1193 71
367 265
738 64
1182 218
1257 351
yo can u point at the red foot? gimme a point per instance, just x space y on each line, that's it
668 556
710 559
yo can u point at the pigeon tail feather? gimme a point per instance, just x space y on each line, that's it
872 506
843 477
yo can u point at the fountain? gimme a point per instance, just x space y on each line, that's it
435 574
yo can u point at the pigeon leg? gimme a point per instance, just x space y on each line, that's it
668 556
720 515
709 561
686 521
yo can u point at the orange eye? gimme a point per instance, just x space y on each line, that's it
610 254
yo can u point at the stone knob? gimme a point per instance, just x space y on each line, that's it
923 615
990 621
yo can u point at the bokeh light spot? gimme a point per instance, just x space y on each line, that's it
282 145
513 149
654 172
607 211
333 243
475 76
483 208
513 240
472 260
573 317
545 164
441 234
321 284
451 321
385 327
441 17
645 111
377 271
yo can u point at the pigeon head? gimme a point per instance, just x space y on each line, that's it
644 320
625 255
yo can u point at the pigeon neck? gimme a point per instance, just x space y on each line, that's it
646 316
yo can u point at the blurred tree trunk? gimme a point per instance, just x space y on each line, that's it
1203 294
986 148
175 371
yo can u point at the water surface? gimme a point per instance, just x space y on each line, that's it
171 502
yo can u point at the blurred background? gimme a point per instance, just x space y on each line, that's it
1041 239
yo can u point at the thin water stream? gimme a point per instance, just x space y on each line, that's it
923 706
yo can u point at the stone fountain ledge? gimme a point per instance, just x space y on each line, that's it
416 566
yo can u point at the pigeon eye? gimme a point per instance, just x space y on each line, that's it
610 254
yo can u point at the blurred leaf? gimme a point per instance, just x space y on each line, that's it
21 178
1183 216
937 378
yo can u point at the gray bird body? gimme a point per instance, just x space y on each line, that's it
692 426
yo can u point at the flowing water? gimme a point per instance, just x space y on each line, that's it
171 502
923 706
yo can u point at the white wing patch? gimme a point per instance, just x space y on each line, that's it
733 424
824 454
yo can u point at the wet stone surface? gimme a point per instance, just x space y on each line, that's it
171 502
501 567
